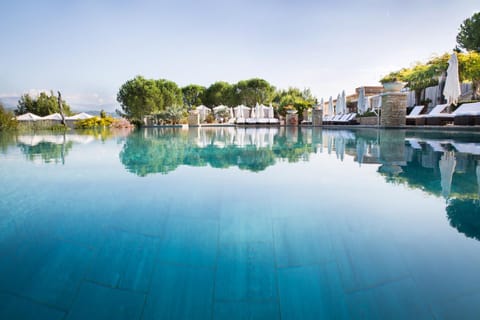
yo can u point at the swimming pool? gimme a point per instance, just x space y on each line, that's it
235 223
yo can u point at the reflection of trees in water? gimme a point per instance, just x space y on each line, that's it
464 215
7 139
163 151
47 151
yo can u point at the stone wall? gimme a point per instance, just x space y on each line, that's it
193 119
394 109
292 119
317 117
368 121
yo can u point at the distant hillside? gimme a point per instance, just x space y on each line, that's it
84 107
10 103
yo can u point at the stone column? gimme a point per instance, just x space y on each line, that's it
317 117
292 119
394 109
193 118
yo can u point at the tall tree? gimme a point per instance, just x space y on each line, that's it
192 95
139 97
469 69
253 91
43 105
468 37
171 93
219 93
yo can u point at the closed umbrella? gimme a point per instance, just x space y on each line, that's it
338 106
330 106
321 104
361 101
452 91
344 102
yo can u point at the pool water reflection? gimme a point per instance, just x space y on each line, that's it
240 223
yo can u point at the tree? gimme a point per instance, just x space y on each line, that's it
294 98
174 114
219 93
192 95
170 92
7 120
43 105
469 69
253 91
468 37
139 97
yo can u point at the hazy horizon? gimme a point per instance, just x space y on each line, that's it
87 50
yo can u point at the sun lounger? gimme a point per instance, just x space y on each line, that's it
416 111
421 119
436 145
348 118
335 118
467 147
414 143
467 109
469 115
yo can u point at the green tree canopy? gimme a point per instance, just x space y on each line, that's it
139 97
468 37
253 91
220 93
171 93
43 105
6 119
192 95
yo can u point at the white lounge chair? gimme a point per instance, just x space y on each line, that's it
422 118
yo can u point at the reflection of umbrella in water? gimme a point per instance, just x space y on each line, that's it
339 147
478 177
330 144
447 166
361 149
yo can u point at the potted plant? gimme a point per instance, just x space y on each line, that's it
392 83
290 109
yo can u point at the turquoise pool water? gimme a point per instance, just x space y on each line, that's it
240 224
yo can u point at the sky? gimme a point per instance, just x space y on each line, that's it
88 49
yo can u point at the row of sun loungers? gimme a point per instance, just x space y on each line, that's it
348 118
445 145
467 114
254 121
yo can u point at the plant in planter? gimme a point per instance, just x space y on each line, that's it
393 82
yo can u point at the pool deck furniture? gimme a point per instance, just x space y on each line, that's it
420 120
470 115
416 111
465 110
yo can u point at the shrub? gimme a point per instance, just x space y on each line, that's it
94 122
7 119
121 123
